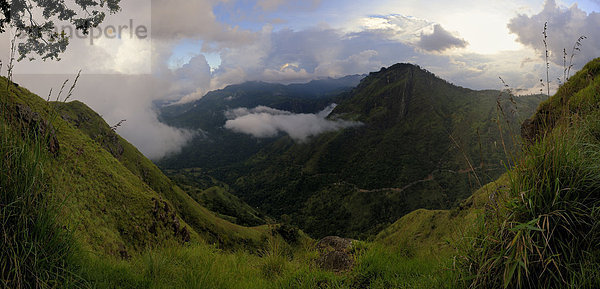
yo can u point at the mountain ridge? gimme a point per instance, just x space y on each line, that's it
417 129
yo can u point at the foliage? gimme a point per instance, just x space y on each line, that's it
211 228
201 266
40 33
215 196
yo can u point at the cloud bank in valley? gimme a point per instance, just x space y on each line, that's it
264 122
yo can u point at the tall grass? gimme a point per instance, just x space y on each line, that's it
203 266
385 267
543 230
35 252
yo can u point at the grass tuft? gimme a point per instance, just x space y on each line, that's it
543 232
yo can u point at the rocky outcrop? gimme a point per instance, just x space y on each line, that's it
166 217
335 254
34 125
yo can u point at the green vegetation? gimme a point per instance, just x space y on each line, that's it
35 252
211 228
106 206
100 225
545 233
216 146
80 207
205 267
537 225
425 143
216 197
542 230
117 207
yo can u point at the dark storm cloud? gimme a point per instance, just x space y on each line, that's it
440 40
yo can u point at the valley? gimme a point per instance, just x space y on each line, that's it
118 222
422 143
284 144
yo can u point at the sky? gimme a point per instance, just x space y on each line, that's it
195 46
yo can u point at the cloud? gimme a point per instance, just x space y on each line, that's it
272 5
269 54
440 40
192 80
264 122
184 19
287 56
360 62
123 77
399 27
565 25
115 98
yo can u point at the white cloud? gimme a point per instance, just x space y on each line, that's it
398 27
565 25
354 64
192 80
115 98
263 122
288 56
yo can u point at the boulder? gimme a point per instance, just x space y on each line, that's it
335 254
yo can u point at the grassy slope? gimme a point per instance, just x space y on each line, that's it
34 249
114 205
576 97
435 232
212 228
545 233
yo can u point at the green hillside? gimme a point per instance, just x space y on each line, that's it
214 229
424 143
538 225
115 200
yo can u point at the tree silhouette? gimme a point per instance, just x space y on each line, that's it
33 21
